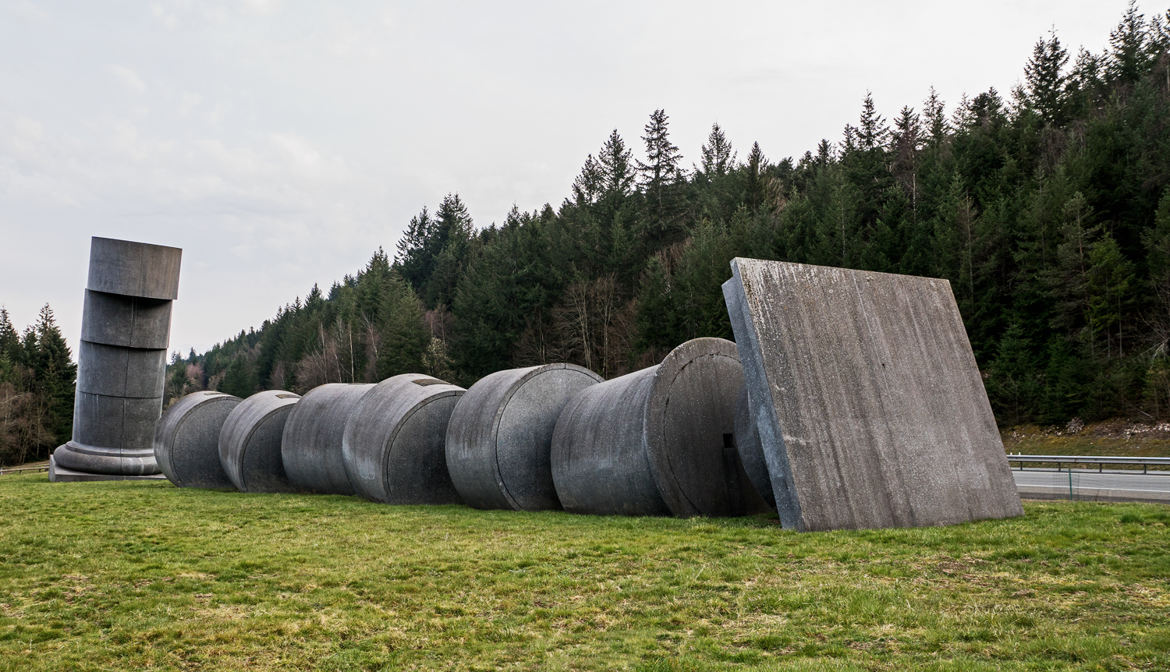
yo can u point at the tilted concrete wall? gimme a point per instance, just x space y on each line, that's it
866 397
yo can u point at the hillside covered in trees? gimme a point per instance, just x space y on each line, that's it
1047 208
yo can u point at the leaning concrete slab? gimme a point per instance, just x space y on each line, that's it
867 399
186 440
121 368
500 434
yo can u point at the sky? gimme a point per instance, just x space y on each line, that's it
279 144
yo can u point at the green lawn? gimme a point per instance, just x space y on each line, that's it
141 575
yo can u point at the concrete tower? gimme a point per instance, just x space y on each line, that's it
125 331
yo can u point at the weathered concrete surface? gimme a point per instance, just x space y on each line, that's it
121 360
134 269
393 444
186 441
131 322
867 399
115 371
249 442
311 447
59 474
751 453
500 436
657 441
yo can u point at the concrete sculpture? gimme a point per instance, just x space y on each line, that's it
393 443
250 440
311 448
657 441
866 397
751 453
186 441
125 331
500 436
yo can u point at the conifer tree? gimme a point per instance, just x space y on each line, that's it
717 155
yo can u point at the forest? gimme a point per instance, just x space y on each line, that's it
37 378
1046 207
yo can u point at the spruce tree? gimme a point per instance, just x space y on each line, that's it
56 375
717 155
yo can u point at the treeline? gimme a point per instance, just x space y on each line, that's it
37 378
1048 209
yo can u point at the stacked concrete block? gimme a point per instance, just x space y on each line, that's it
657 441
250 442
186 441
121 370
500 436
393 443
866 398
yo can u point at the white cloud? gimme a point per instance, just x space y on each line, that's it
127 78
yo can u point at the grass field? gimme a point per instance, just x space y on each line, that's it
142 575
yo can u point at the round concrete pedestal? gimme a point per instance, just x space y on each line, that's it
186 443
394 441
500 436
311 448
249 442
657 441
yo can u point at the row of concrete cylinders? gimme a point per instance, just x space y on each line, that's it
658 441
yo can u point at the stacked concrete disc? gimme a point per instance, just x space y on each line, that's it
186 442
500 436
657 441
393 444
125 331
250 442
311 447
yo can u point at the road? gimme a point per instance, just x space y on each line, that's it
1093 486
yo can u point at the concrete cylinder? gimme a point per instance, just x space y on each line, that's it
500 436
311 448
394 441
186 442
657 441
249 442
121 365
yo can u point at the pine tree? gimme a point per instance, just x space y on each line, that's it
718 157
662 156
616 172
589 185
1131 56
56 375
1044 87
872 132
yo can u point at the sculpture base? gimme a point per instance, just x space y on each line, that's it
80 458
58 474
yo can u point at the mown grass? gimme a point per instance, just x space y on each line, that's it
143 575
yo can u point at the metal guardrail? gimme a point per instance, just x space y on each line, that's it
1161 464
22 470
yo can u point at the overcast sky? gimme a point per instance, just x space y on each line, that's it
280 143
